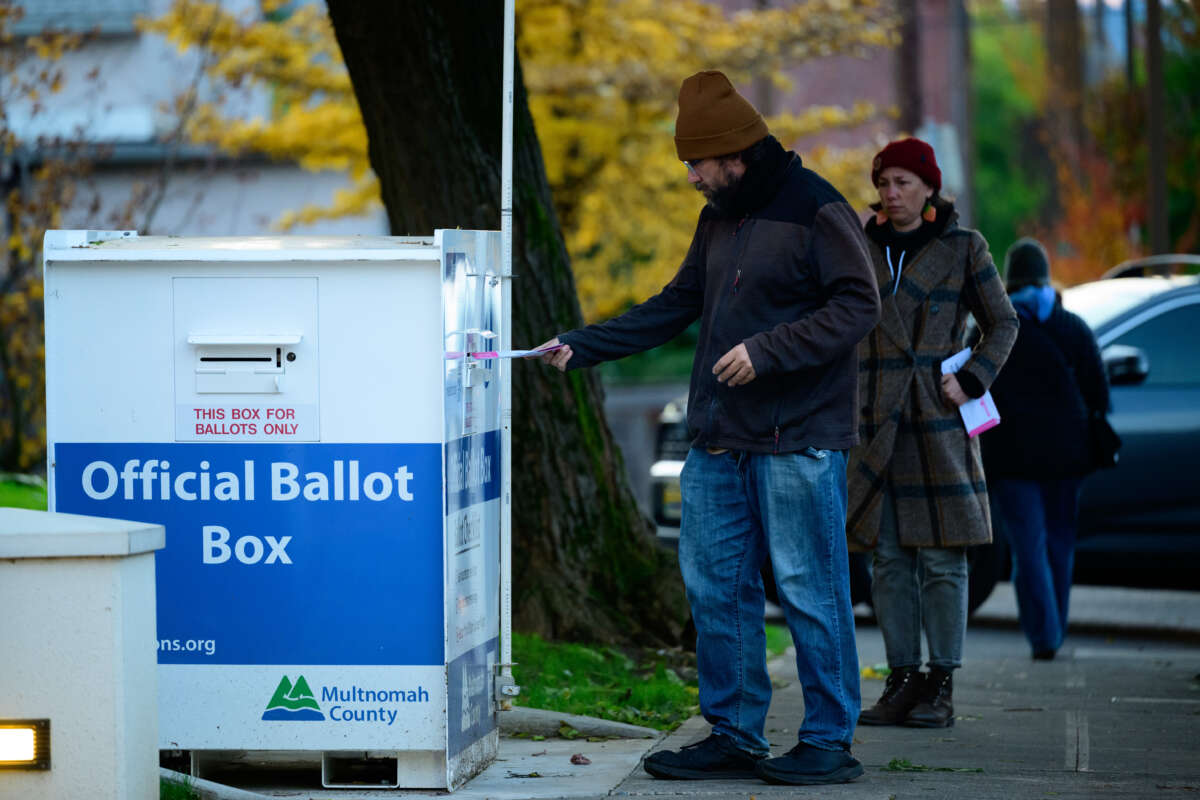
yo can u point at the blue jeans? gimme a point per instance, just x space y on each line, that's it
1040 519
737 507
905 600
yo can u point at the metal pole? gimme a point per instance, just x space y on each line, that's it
505 685
1156 134
1129 44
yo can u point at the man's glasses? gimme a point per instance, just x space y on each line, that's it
691 165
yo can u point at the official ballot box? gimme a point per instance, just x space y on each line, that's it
304 417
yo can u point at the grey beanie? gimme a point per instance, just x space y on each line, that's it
1026 264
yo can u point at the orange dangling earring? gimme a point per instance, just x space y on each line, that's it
880 217
929 214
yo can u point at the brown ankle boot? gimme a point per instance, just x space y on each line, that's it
936 709
903 690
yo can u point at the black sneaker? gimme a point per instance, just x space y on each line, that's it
805 764
714 758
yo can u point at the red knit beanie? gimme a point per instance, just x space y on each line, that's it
714 120
910 154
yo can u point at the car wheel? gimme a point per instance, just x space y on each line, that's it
987 564
860 579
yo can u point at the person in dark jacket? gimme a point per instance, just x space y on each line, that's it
779 276
917 491
1052 384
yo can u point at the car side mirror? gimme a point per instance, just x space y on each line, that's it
1125 365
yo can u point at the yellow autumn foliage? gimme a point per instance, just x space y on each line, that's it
292 54
30 74
601 76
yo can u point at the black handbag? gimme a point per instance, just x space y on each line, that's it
1105 442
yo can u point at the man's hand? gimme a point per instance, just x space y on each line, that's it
558 358
952 391
734 367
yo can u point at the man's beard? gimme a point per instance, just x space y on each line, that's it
721 198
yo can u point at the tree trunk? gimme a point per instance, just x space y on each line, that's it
1156 134
908 68
428 80
1064 51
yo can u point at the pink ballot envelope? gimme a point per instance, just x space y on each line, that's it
516 353
978 414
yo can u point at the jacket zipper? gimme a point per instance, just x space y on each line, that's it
775 419
737 278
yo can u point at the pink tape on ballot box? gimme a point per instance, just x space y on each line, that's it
483 354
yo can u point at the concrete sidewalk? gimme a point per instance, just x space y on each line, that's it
1103 609
1116 715
1110 718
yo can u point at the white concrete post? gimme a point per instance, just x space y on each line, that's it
77 633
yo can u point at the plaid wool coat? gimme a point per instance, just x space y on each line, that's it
911 439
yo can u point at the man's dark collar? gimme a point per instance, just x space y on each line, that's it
759 183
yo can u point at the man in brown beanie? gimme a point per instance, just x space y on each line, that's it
779 276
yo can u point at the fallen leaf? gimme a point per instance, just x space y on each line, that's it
580 758
876 672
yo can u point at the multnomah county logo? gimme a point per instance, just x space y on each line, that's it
293 701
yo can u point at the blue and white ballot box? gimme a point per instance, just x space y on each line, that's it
305 417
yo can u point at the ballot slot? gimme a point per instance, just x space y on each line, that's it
242 359
257 365
246 358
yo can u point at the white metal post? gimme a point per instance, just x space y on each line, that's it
505 685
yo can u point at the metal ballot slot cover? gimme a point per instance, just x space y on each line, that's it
242 364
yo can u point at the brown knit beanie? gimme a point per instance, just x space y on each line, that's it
714 120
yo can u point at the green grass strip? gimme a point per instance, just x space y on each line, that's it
779 639
654 688
22 494
173 790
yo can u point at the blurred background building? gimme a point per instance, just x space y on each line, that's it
120 106
923 84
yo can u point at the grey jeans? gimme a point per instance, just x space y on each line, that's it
913 587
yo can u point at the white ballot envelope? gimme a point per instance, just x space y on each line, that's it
978 414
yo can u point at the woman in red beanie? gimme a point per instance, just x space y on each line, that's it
917 495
